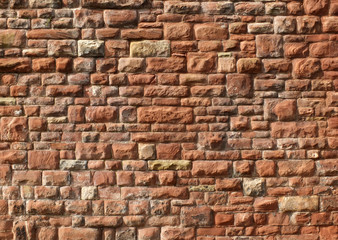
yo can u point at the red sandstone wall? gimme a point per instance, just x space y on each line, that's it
172 120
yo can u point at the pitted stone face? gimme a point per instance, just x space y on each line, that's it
112 3
91 48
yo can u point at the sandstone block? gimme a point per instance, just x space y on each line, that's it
88 193
73 165
299 203
45 4
91 48
169 165
12 38
284 24
253 187
62 48
148 48
146 151
226 65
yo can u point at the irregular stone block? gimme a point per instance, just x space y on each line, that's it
112 3
169 165
91 48
150 49
299 203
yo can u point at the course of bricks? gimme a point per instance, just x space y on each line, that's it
171 120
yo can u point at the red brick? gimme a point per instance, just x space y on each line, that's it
43 159
135 34
55 90
43 65
201 62
285 110
312 7
92 151
101 114
78 233
12 156
169 151
164 115
150 233
293 129
265 168
249 65
177 31
115 18
238 85
210 31
296 168
168 233
269 45
166 65
211 168
228 184
265 204
20 65
76 114
224 219
14 129
196 216
125 151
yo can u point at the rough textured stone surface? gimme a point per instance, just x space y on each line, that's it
12 38
196 216
150 49
269 45
14 129
253 187
299 203
168 119
91 48
169 165
165 115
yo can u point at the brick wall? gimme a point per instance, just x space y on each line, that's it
171 120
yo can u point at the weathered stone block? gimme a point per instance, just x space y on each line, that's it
169 165
299 203
150 49
91 48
